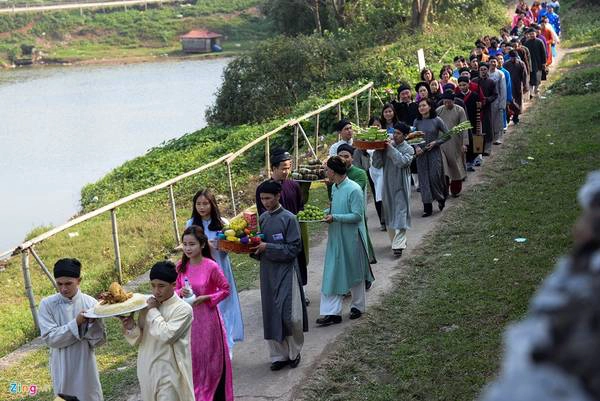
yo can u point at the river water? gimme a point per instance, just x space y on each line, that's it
61 128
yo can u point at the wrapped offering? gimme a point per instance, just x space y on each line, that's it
116 301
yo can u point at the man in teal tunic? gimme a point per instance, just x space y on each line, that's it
359 176
346 258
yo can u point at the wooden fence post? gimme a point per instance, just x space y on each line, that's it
28 287
307 141
44 268
174 215
296 150
268 158
317 135
231 188
369 106
115 235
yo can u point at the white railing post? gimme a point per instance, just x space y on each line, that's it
115 235
231 188
317 135
268 158
369 106
44 268
296 150
28 287
174 215
356 110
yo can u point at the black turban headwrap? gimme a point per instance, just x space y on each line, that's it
402 127
269 187
67 268
336 164
403 87
164 271
279 155
341 124
345 147
448 95
463 79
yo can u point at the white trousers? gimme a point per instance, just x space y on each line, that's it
288 349
332 304
397 237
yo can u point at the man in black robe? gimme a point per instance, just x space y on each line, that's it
537 51
406 110
519 78
488 88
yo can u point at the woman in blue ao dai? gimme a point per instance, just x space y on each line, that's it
206 214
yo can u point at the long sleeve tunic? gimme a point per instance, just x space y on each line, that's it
344 265
283 314
230 308
72 357
430 165
395 161
164 366
452 149
209 347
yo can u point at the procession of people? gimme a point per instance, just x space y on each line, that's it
185 348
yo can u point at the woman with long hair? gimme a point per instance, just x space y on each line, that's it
206 214
432 182
388 116
211 365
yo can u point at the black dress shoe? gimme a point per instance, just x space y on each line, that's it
426 214
295 362
329 319
397 252
442 204
278 365
355 313
368 284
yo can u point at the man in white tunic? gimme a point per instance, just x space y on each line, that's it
72 338
344 129
164 364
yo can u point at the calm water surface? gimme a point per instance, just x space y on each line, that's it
61 128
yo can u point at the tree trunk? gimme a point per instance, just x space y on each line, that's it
317 16
338 11
420 12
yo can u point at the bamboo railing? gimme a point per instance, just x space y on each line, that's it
27 248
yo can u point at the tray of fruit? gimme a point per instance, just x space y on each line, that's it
369 138
311 214
313 170
241 234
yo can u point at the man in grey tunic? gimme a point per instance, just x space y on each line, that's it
283 308
500 103
71 337
395 160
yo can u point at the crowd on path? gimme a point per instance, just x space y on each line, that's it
186 334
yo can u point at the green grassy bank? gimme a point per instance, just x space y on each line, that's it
119 34
437 336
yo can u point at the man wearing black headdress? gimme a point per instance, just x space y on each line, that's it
72 337
162 331
344 130
291 199
405 108
283 307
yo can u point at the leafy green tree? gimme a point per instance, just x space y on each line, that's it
272 78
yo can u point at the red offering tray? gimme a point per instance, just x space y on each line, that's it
235 247
368 145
